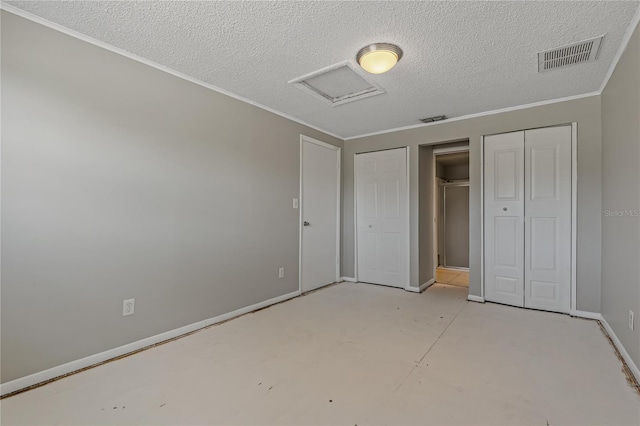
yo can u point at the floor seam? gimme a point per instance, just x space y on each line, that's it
432 346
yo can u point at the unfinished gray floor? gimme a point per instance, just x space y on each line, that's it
356 354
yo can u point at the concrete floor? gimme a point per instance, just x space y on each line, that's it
451 276
356 354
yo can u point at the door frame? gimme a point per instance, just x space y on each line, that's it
574 210
338 150
409 287
444 222
434 201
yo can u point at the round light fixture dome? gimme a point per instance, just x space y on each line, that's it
379 58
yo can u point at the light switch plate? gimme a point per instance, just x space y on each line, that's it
295 203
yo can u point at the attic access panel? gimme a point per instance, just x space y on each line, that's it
337 85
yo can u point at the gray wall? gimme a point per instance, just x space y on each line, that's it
121 181
585 111
456 172
456 226
620 177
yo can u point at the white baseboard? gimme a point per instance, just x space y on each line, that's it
349 279
625 355
473 298
422 287
428 284
586 314
61 370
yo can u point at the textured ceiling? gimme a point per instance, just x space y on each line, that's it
459 57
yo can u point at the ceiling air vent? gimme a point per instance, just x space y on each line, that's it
433 119
337 85
583 51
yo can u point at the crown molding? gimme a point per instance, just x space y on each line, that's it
75 34
476 115
621 49
27 15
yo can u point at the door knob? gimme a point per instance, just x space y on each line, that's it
305 223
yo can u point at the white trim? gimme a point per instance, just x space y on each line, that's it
586 314
481 219
574 217
625 355
114 49
473 298
623 46
435 208
348 279
91 360
355 216
408 218
303 139
449 150
422 287
479 114
122 52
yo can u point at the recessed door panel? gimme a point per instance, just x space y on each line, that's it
391 252
370 200
370 249
392 199
382 217
544 243
545 178
506 231
508 174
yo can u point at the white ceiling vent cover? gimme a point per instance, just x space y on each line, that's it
337 85
583 51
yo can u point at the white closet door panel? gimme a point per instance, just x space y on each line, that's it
504 218
548 218
382 217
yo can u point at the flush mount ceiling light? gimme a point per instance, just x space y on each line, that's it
378 58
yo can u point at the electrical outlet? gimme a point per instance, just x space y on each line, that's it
128 307
281 273
631 320
295 203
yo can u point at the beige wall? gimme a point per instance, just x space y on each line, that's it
621 198
585 111
121 181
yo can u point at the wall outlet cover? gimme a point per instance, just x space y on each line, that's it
128 307
281 273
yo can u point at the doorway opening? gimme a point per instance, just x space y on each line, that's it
444 213
451 188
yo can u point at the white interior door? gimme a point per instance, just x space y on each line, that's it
382 217
504 218
527 218
320 180
548 219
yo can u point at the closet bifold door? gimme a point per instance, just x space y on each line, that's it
504 218
547 185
